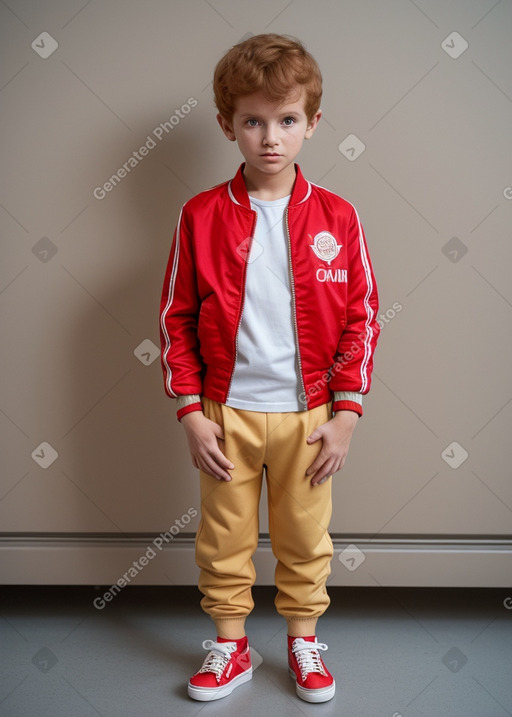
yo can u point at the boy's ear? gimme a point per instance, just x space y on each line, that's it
226 127
313 125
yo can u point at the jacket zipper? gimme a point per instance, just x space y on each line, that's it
294 310
244 279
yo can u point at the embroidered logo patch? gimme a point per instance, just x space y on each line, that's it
325 247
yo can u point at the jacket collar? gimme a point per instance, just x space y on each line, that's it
238 192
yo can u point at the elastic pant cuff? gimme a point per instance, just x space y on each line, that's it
230 628
301 626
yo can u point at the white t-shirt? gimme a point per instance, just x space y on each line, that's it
266 375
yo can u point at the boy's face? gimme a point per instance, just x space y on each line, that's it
269 134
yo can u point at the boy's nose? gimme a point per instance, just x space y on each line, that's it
270 137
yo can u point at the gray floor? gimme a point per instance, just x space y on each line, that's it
394 652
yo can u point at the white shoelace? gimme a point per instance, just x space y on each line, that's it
218 657
308 657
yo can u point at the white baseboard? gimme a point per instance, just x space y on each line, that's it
137 560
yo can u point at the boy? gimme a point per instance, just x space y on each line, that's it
268 328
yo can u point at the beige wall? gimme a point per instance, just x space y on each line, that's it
80 275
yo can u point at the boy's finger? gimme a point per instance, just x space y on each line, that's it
316 465
215 470
220 459
218 431
313 468
315 436
321 475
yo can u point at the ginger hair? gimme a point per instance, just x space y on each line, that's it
276 65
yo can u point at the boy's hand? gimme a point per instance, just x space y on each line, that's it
203 436
336 435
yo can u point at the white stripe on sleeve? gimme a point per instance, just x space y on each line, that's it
170 299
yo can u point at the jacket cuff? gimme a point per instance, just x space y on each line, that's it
187 404
347 401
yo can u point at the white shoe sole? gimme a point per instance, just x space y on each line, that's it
323 694
207 694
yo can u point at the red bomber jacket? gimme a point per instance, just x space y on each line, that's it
332 282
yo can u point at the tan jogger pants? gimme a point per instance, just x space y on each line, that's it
299 514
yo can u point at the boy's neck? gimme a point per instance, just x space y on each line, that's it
269 187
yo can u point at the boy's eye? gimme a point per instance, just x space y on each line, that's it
288 121
252 122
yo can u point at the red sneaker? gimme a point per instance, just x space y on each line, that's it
314 683
227 666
